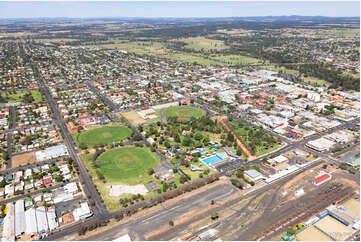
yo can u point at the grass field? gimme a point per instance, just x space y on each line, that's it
160 50
18 96
319 82
339 33
235 59
201 43
103 135
183 112
279 69
128 165
310 80
123 166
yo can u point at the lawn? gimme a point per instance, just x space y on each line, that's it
18 96
183 112
160 50
103 135
112 202
128 165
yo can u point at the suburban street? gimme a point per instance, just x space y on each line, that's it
101 212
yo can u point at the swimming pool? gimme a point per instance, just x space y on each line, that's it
214 159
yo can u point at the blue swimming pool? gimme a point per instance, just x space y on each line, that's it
214 158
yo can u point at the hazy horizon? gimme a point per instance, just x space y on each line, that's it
157 9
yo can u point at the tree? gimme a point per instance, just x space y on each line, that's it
82 146
151 171
198 136
82 230
214 216
291 231
239 152
137 138
171 223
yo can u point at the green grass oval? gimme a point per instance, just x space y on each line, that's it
127 164
104 135
183 112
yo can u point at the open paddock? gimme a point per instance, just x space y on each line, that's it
23 159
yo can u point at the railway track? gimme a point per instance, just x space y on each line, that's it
307 212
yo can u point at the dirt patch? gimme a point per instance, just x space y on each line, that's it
133 118
107 135
296 179
215 137
127 160
23 159
353 205
223 121
118 190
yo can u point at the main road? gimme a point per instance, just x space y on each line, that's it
89 188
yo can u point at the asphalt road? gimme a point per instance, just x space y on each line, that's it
156 220
89 188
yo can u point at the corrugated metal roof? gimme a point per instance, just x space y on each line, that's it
30 219
41 219
19 217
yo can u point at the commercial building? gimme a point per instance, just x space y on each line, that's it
82 212
51 215
253 175
19 217
322 179
321 144
9 225
42 221
31 228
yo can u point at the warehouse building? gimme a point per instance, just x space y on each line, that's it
19 218
42 221
51 215
9 225
31 228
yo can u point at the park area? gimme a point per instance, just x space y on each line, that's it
183 112
123 173
102 136
128 165
26 97
257 141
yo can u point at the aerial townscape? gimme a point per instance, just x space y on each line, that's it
135 129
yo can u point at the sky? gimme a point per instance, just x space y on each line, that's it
174 9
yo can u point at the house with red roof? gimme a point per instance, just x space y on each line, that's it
47 180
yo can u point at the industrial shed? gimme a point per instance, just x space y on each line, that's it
42 221
19 217
9 228
52 219
31 224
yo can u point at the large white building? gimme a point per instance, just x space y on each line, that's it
19 217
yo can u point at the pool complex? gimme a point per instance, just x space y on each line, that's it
215 159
